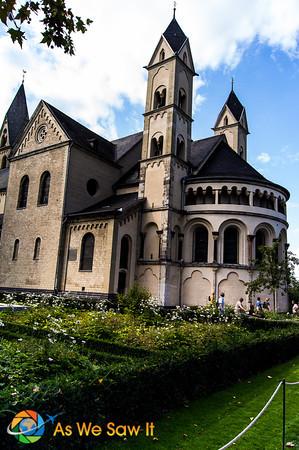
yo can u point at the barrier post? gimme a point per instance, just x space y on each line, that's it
283 413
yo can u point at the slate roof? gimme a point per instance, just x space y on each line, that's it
234 105
112 205
82 136
174 35
17 116
124 144
225 164
202 148
4 179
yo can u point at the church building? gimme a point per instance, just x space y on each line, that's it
184 218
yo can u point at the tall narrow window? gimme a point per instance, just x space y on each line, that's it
201 237
182 99
157 146
87 250
23 192
124 262
162 55
260 241
225 121
44 188
160 97
37 248
15 250
231 246
180 147
4 162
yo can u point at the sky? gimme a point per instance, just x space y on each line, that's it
104 84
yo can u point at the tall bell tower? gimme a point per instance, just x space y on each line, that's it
166 140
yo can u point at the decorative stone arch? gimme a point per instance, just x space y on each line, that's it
149 280
242 240
196 289
188 251
151 241
233 288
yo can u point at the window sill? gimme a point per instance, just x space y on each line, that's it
21 207
85 270
42 204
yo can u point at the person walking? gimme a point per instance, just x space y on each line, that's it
258 305
221 303
295 309
239 308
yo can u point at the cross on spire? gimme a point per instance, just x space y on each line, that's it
174 9
232 83
24 73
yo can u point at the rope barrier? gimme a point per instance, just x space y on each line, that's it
283 382
254 420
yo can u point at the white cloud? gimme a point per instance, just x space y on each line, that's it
264 157
107 68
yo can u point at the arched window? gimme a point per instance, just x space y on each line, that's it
15 250
37 248
257 198
244 197
234 197
231 245
260 241
3 162
271 202
157 146
180 147
199 196
23 192
224 196
281 206
225 121
160 97
162 55
87 250
209 196
44 188
264 200
182 99
190 197
152 242
124 262
200 246
4 138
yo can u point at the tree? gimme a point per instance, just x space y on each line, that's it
59 22
273 274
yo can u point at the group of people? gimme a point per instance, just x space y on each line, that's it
260 306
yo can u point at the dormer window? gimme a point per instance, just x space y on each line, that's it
162 55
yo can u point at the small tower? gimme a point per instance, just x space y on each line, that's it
168 110
232 122
13 125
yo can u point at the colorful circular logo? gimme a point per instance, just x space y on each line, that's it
27 427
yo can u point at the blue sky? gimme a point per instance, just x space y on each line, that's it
104 85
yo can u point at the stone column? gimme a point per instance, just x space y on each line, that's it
250 198
215 250
250 240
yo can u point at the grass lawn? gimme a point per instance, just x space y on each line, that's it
211 422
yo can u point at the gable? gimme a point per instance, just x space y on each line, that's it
186 55
42 131
162 45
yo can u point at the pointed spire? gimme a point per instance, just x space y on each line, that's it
174 35
17 115
234 104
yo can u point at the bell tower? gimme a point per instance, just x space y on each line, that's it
232 122
168 110
165 152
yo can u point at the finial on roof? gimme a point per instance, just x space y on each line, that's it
232 83
174 9
24 73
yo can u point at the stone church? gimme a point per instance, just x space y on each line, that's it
184 218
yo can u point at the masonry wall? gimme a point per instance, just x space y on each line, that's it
34 221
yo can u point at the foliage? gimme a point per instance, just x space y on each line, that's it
273 274
294 291
138 301
58 21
